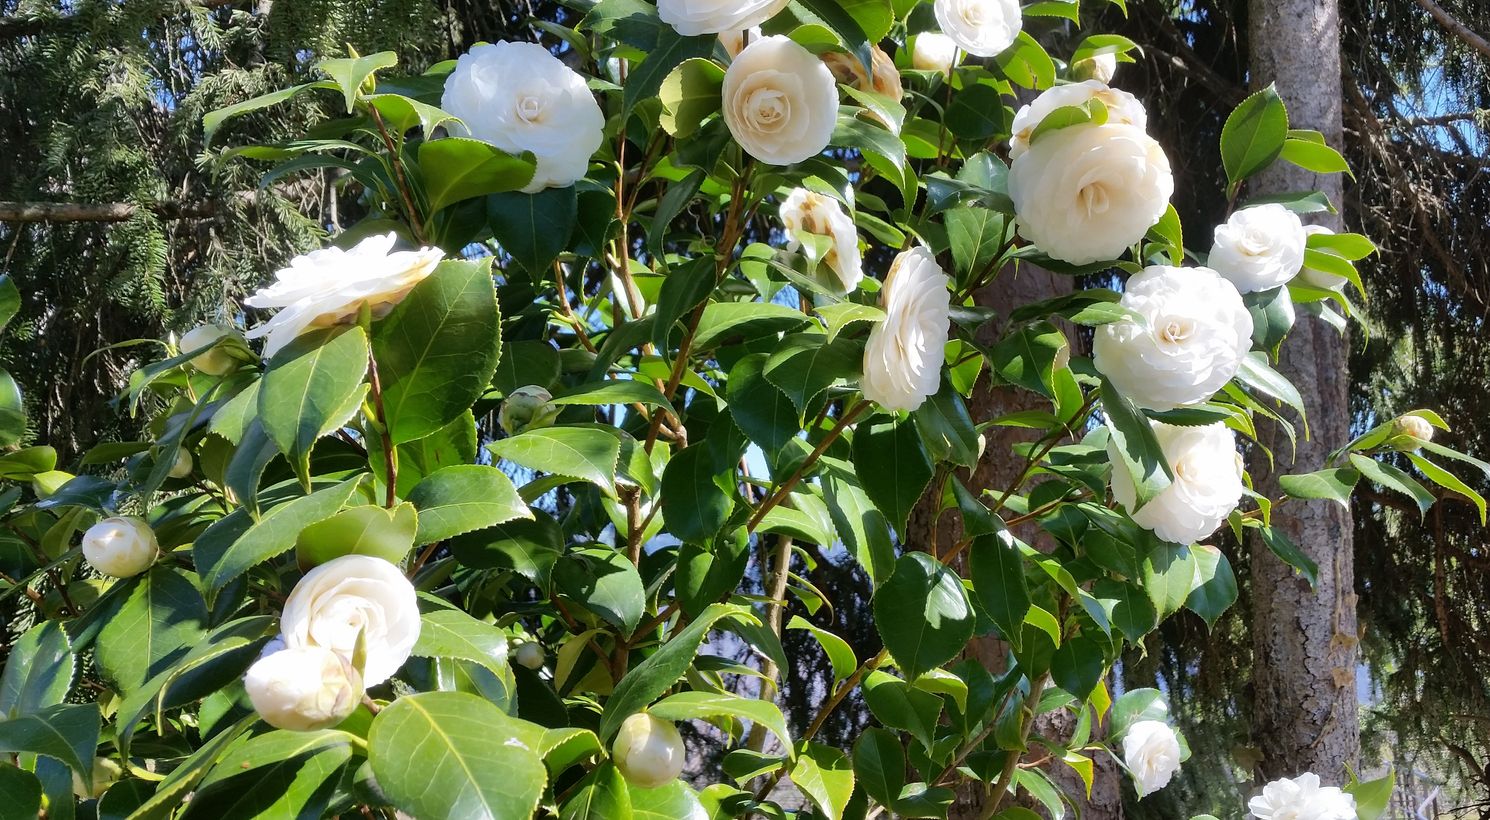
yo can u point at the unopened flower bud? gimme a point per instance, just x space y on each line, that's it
105 772
184 464
122 547
1415 427
303 688
216 360
648 751
526 407
1099 68
529 655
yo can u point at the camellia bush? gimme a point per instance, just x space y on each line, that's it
457 522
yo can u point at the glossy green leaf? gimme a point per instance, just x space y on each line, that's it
694 506
313 386
276 774
456 169
689 95
582 453
923 614
803 365
450 754
533 228
879 765
350 73
464 498
707 705
601 795
1253 135
438 349
236 542
892 467
67 733
826 776
363 530
163 617
997 571
450 633
38 670
603 581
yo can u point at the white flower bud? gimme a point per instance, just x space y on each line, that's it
105 772
1416 427
735 41
303 688
525 408
648 751
121 547
1151 751
933 51
184 464
216 360
529 655
1100 68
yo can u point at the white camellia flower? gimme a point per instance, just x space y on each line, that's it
1100 67
648 751
1151 751
780 101
933 51
735 41
1122 109
519 97
904 355
849 70
983 28
1319 278
1302 798
822 215
121 547
303 689
329 287
1195 332
215 361
349 595
694 17
1259 248
1206 488
1088 192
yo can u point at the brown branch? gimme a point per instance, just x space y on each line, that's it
12 28
1456 28
101 211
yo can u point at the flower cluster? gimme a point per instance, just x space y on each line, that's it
351 603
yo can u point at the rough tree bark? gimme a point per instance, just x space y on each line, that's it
1305 640
997 469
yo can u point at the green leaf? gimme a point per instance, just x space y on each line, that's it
312 387
689 95
761 410
1448 481
67 733
456 169
723 321
1284 547
178 784
1332 485
694 506
977 113
1090 112
1027 357
706 574
533 228
923 614
840 654
997 571
163 617
1253 135
1138 447
237 542
20 792
612 391
213 120
12 411
1214 588
38 670
675 801
864 530
843 19
438 349
671 50
402 114
1372 797
707 705
450 754
860 134
975 235
1257 374
805 364
450 633
1168 577
10 301
663 668
1313 156
899 705
601 795
603 581
582 453
1077 666
464 498
528 546
879 765
1392 478
246 467
826 776
276 774
687 284
1134 706
382 532
892 467
349 73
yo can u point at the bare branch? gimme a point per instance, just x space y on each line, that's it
100 211
1456 28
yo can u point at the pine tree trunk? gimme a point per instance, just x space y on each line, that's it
1304 707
